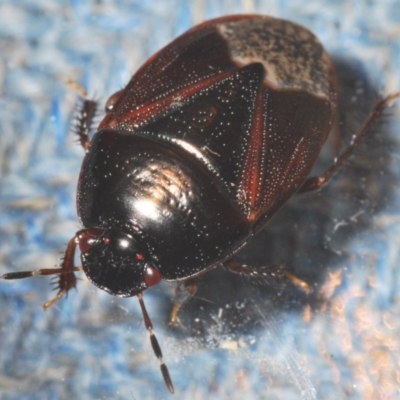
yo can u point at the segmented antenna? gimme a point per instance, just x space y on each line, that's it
66 279
155 345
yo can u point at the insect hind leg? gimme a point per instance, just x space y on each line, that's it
317 182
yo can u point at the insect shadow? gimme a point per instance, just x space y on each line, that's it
309 237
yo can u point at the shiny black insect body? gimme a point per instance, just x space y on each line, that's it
209 139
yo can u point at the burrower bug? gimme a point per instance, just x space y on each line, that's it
209 139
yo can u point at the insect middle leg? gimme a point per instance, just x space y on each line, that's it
87 114
273 271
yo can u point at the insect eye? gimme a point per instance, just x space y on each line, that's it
88 237
151 276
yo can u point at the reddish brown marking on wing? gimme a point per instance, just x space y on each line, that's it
145 112
253 177
285 135
207 91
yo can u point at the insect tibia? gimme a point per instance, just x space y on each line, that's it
87 111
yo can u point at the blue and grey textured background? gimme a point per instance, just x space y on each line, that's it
239 339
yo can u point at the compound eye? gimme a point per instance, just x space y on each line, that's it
88 237
151 276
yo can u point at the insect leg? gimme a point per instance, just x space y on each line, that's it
66 279
183 293
316 182
274 271
87 113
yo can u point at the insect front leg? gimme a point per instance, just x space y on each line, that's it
66 278
183 293
316 182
